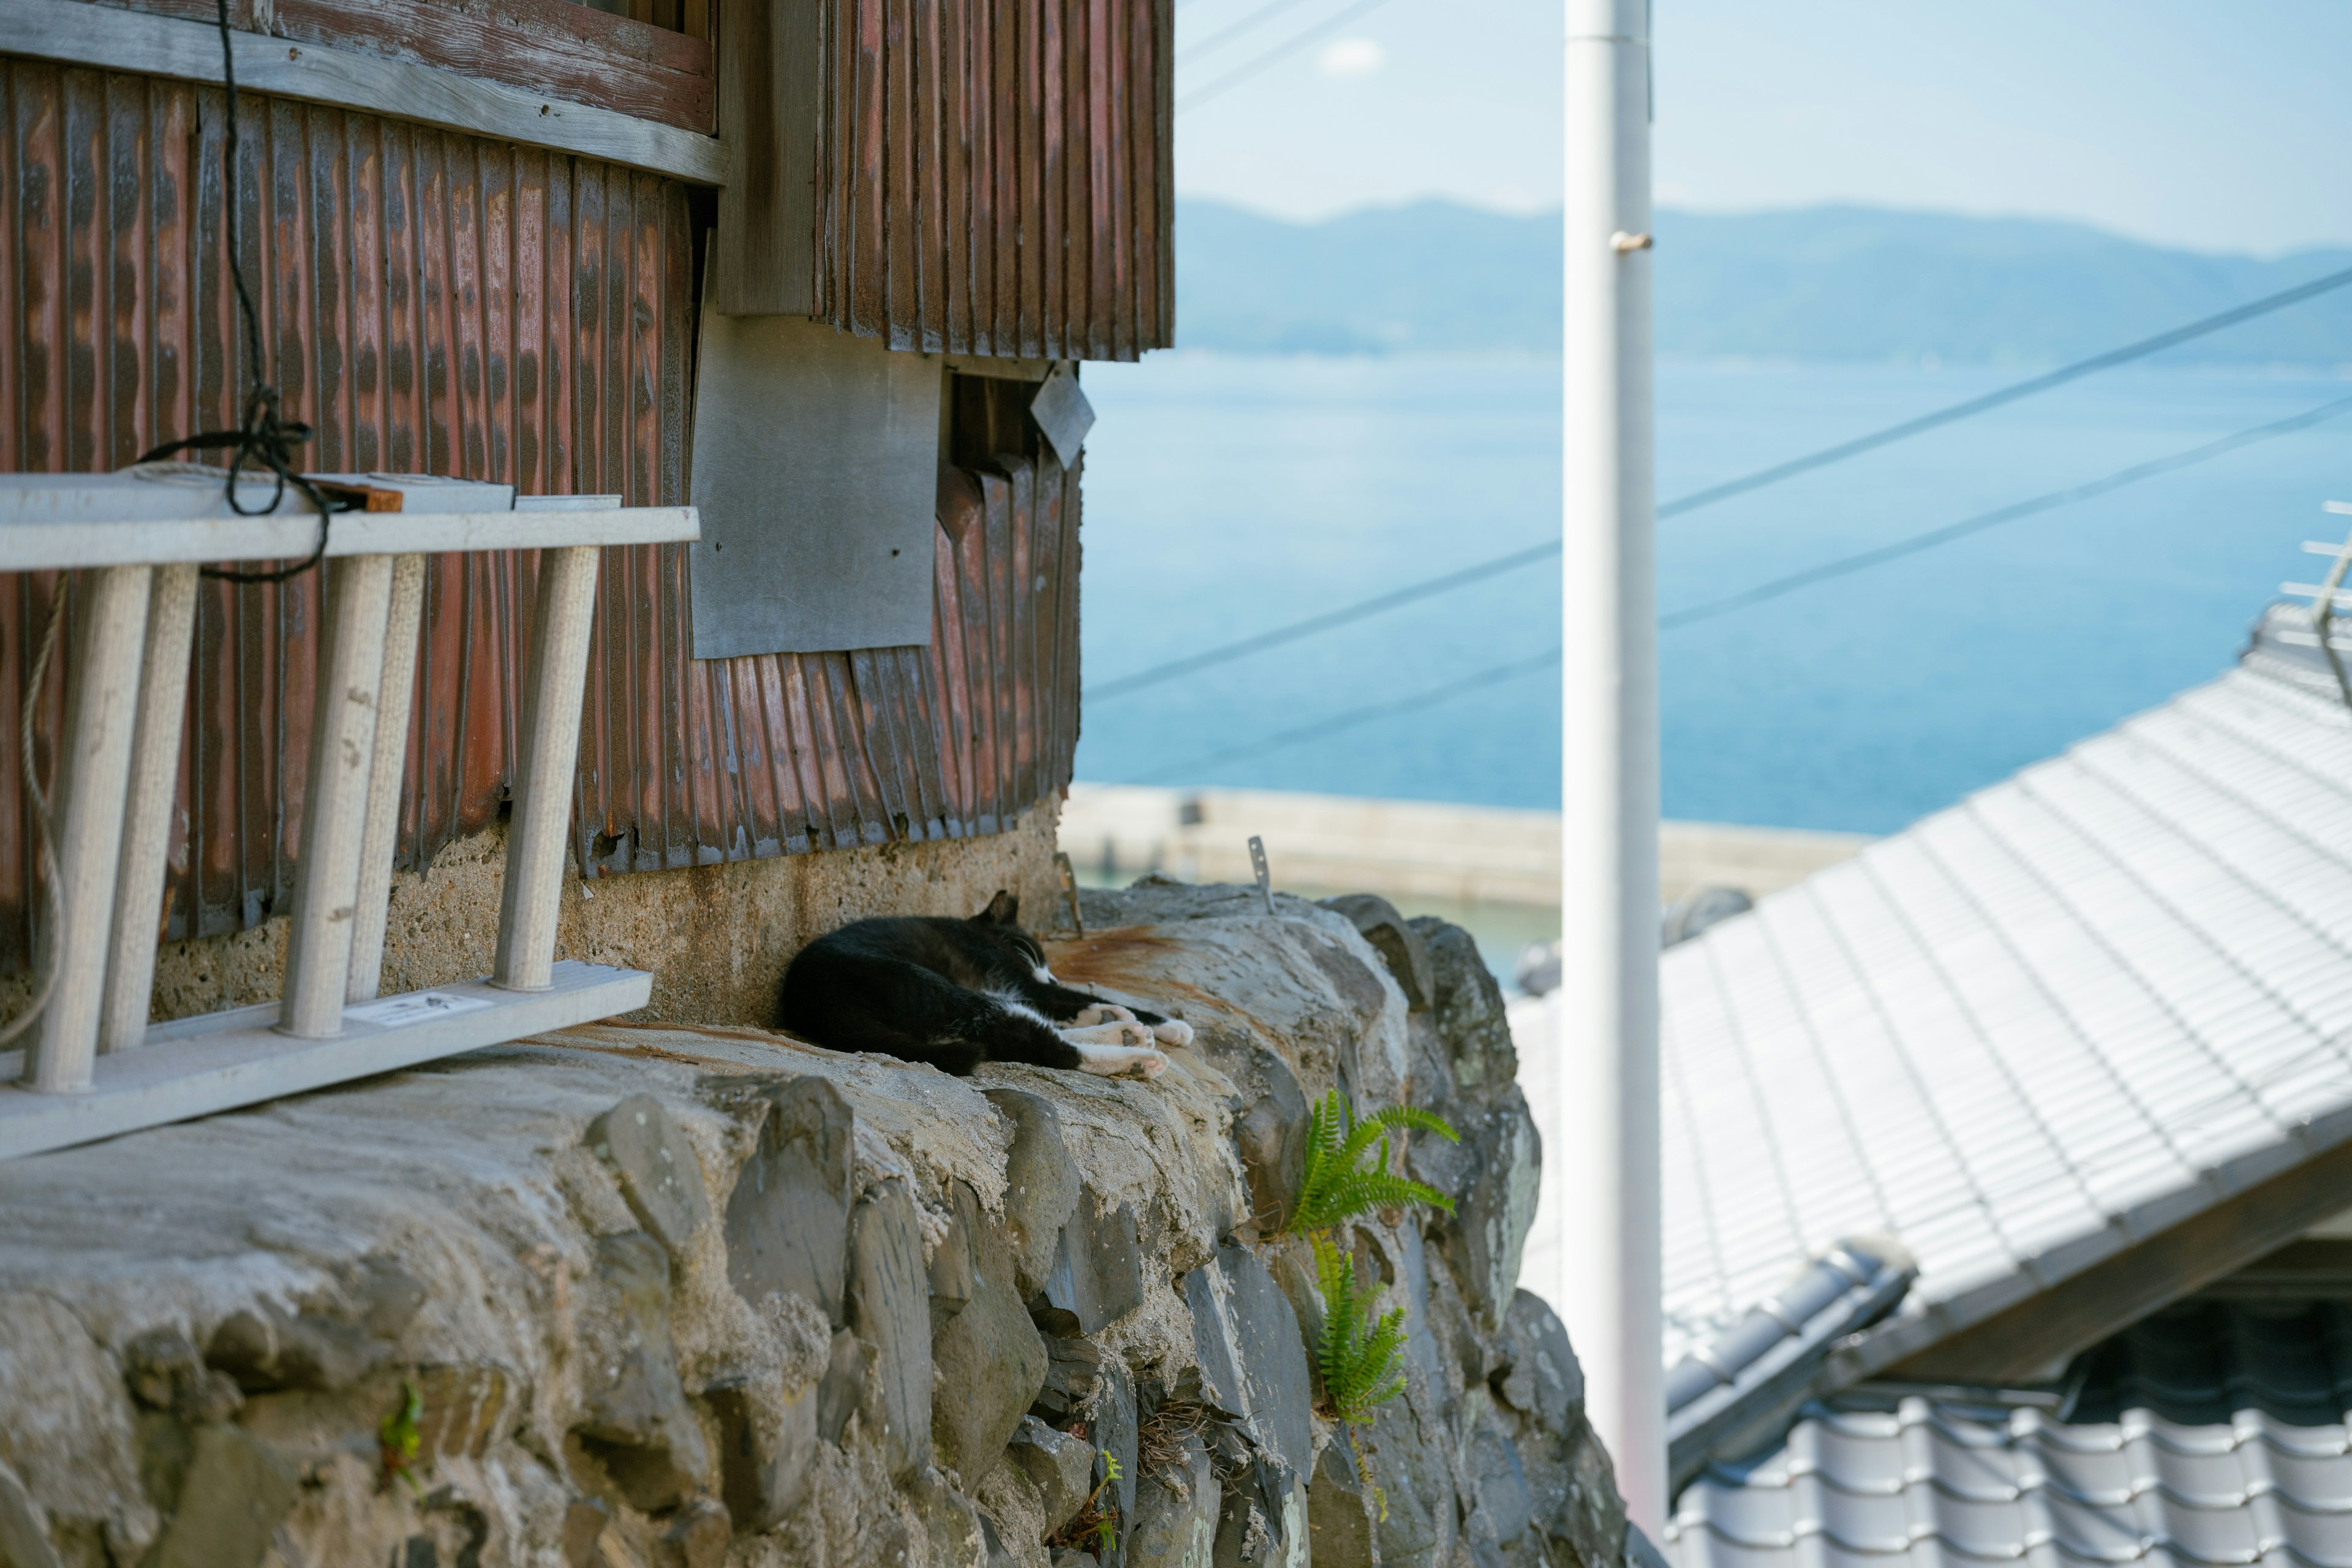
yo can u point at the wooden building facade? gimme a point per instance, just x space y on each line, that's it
481 235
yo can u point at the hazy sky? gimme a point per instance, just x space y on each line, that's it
2215 124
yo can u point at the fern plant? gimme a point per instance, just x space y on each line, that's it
1359 1352
1348 1164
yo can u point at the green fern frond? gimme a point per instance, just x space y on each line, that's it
1347 1164
1359 1352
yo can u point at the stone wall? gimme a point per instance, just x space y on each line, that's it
716 938
637 1295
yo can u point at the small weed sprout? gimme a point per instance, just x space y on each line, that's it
400 1434
1348 1164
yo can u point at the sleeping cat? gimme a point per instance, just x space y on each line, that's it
955 993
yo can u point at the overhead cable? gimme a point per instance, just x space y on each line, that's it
1313 624
1548 659
1263 14
2006 394
1724 491
1847 565
1779 586
1281 51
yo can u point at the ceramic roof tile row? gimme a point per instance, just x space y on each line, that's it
2210 1435
2069 998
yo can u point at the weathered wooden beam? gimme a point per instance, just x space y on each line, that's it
2032 1341
770 88
74 33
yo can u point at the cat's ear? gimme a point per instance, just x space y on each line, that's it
1004 909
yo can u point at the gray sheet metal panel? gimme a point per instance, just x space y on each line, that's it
816 465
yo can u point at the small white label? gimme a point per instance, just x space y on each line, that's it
399 1012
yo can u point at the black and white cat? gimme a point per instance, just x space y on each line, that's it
955 993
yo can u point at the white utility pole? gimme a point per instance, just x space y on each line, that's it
1606 1014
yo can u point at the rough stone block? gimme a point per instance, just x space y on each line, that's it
1544 1380
1098 1273
238 1489
763 1454
1271 1356
1505 1510
696 1537
1041 1186
331 1344
1175 1517
991 1362
843 1385
957 1536
637 1423
1213 1344
1399 945
1271 1138
889 1306
1467 1003
1111 1421
24 1526
1074 1373
1263 1521
1061 1466
955 1261
788 1216
1340 1511
659 1175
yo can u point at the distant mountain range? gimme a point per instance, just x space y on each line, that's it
1835 283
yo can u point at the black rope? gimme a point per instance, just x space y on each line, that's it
262 439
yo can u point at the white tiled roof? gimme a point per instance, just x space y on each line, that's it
2065 1013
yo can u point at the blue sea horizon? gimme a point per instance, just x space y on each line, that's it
1228 493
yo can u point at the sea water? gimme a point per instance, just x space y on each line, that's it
1225 495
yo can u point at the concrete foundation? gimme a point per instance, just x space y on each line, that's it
716 938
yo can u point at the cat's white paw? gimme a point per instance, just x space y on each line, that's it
1128 1033
1120 1061
1172 1032
1101 1013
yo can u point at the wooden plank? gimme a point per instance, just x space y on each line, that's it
48 546
2033 1341
549 46
198 1067
88 35
763 257
533 894
335 805
387 766
147 812
93 777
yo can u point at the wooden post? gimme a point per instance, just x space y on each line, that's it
387 765
93 775
545 770
147 814
334 807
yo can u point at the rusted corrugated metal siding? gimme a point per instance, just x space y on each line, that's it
442 303
793 752
997 176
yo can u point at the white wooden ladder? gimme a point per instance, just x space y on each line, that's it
96 1068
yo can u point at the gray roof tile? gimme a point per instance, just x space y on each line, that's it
2077 1006
2212 1434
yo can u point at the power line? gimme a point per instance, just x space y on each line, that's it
1263 13
2006 394
1227 652
1427 587
1849 565
1280 51
1548 659
1777 587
